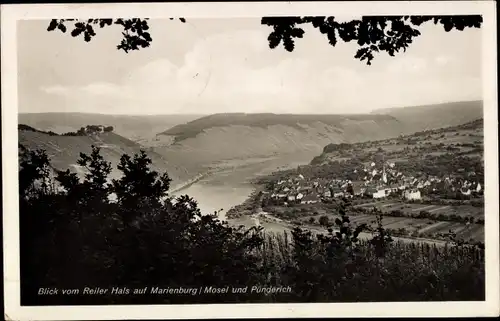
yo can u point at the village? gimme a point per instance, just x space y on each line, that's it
373 181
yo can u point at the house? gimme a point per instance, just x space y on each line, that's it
478 188
306 189
336 191
380 193
412 194
370 190
291 198
309 199
357 188
465 191
327 193
299 196
394 187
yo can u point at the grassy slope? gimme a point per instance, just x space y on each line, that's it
65 150
194 128
225 137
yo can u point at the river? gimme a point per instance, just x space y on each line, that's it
230 184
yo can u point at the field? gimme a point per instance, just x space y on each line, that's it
387 206
403 225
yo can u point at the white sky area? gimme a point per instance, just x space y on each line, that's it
225 65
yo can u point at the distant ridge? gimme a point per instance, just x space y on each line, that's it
423 117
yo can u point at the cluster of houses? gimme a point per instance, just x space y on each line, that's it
374 183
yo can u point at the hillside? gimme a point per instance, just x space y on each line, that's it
221 137
264 121
238 136
65 150
136 128
435 116
461 140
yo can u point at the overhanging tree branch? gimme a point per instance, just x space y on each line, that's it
373 34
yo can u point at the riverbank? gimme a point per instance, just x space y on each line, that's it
227 184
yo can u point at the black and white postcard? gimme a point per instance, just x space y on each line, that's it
218 160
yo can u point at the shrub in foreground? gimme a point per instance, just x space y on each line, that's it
73 236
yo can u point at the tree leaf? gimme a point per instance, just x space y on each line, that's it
53 25
62 27
76 32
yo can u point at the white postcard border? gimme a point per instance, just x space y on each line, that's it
10 14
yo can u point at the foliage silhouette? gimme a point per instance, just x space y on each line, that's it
146 238
373 34
135 31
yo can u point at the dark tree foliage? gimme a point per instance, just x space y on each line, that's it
373 34
34 169
139 189
135 31
142 239
323 220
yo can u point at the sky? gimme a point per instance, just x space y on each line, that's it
225 65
